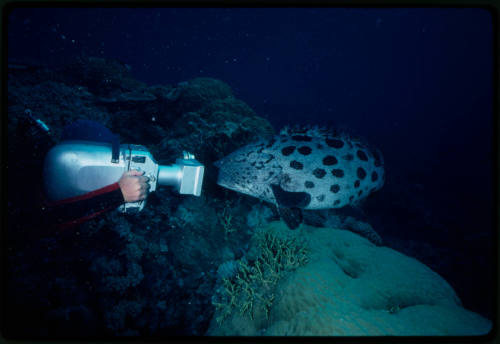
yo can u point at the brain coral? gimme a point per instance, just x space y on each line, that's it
350 287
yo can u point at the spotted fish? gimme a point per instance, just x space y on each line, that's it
304 169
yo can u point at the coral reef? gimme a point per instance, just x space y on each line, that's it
259 215
103 76
350 287
362 228
208 121
227 269
342 219
129 267
251 291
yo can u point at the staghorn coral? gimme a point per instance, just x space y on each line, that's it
225 219
250 291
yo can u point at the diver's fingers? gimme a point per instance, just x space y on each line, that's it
134 173
143 179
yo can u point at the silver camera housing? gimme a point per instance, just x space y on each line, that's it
73 168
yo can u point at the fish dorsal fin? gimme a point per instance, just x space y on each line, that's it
291 216
323 132
314 131
289 199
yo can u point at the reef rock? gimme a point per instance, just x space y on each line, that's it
351 287
203 117
103 77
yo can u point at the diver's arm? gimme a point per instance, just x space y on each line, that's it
76 210
133 186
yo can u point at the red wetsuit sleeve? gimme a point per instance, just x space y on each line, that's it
76 210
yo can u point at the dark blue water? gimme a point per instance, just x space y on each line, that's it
421 78
418 83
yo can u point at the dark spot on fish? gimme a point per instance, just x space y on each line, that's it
334 143
271 173
356 184
270 158
249 153
254 177
337 202
335 188
260 149
338 173
253 163
360 192
361 173
348 157
329 160
308 184
319 146
351 198
374 176
303 138
304 150
319 173
287 150
296 165
271 142
361 155
320 198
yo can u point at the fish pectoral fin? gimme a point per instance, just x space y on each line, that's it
289 204
291 216
290 199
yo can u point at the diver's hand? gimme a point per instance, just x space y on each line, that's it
134 186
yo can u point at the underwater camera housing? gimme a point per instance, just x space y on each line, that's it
73 168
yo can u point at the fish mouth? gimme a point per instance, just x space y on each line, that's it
223 183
